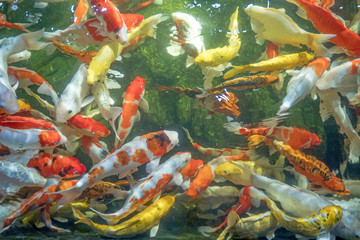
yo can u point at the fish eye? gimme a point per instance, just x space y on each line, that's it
70 111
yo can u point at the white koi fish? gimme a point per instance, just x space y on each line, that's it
10 46
73 96
150 186
142 149
274 25
302 82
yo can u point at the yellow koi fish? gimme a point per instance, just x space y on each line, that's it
316 224
288 61
100 64
148 218
217 56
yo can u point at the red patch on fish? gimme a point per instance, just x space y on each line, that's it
49 138
88 126
123 158
201 182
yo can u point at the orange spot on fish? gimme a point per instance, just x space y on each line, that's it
123 158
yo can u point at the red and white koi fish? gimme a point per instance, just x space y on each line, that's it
87 126
50 165
9 47
96 149
302 82
149 187
341 79
295 137
142 149
325 21
132 100
73 96
109 16
20 26
41 199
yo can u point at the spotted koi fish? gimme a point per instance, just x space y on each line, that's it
295 137
132 100
103 190
143 149
50 165
315 171
88 126
83 56
148 188
94 148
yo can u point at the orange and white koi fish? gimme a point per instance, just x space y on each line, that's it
325 21
149 187
109 16
132 100
50 165
87 126
20 26
186 37
96 149
295 137
10 46
143 149
41 199
341 79
26 77
302 82
73 96
15 176
314 170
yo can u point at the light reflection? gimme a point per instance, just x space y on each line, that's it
216 5
72 8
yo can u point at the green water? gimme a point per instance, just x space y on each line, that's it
170 110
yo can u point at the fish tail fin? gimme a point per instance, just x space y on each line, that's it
32 40
236 128
235 70
82 218
110 218
150 25
316 43
255 140
234 25
68 195
188 135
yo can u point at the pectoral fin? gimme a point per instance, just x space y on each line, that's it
144 105
154 230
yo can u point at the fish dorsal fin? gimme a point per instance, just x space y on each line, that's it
152 165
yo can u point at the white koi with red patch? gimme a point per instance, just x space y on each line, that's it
133 98
302 82
96 150
142 149
11 46
149 187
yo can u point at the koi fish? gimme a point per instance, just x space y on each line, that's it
295 137
73 96
217 56
189 171
55 165
302 82
132 100
142 149
20 26
87 126
149 187
186 37
219 102
274 25
8 100
108 53
315 171
316 224
96 149
298 202
19 122
329 23
148 218
25 77
107 13
103 190
83 56
80 12
288 61
24 107
256 82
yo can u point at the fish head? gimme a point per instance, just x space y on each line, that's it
206 58
161 142
180 160
121 34
332 215
65 110
8 100
315 140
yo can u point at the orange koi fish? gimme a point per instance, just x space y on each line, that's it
83 56
19 122
82 8
149 187
4 23
94 148
103 190
40 199
143 149
88 126
324 21
26 77
313 169
107 13
272 50
132 100
295 137
50 165
191 168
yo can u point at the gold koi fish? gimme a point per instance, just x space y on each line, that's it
288 61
